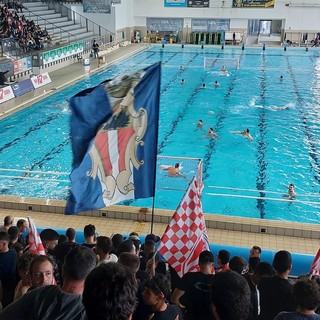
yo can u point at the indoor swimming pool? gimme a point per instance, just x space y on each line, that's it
241 178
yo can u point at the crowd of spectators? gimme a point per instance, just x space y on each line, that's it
29 36
118 278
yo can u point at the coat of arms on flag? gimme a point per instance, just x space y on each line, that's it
114 131
186 235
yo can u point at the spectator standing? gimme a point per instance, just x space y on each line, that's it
103 247
109 292
223 260
276 292
95 48
155 294
193 290
263 269
7 223
307 294
8 263
230 296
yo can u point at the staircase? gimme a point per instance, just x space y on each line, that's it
61 29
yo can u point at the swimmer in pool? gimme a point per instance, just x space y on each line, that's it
291 192
174 171
199 125
216 84
182 81
212 134
280 108
245 133
223 69
203 85
64 106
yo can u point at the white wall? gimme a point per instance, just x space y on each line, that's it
106 21
297 16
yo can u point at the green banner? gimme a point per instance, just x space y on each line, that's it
63 52
253 3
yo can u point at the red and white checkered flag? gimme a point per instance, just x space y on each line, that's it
35 243
186 235
315 267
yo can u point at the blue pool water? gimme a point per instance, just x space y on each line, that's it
241 178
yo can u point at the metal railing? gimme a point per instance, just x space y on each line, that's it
104 35
52 28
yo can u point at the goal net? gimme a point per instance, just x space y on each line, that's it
218 63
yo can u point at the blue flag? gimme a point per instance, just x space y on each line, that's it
114 132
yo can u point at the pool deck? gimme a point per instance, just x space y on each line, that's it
224 230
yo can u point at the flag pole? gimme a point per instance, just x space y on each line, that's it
156 148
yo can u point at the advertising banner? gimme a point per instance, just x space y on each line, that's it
96 6
253 3
198 3
6 94
175 3
60 53
22 65
40 80
22 87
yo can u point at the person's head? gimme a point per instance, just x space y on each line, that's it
255 251
13 233
152 236
23 267
263 269
252 263
291 188
23 225
237 264
206 260
137 243
177 165
103 245
78 263
307 293
49 238
230 296
89 231
116 240
126 246
71 234
247 130
41 271
130 261
18 247
62 239
4 242
223 257
8 221
203 85
282 262
156 291
109 289
149 246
